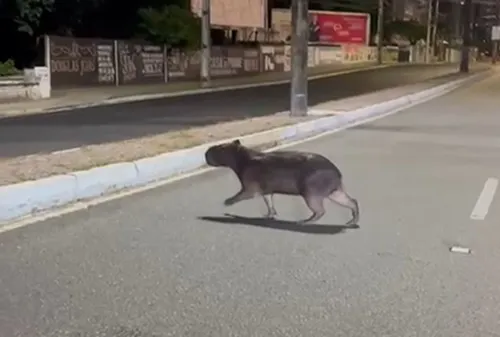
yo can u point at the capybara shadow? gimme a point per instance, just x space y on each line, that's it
291 226
305 174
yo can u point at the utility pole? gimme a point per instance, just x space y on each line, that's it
206 44
380 30
494 56
466 39
457 13
300 39
428 37
435 26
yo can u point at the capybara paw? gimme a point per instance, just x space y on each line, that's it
352 223
271 214
228 202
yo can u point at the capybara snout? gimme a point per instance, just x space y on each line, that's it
223 154
309 175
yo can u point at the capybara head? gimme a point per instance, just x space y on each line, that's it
226 154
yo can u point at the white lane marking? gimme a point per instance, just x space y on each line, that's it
78 206
483 203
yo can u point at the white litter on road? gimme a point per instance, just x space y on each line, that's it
462 250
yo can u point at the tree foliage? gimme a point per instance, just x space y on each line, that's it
29 14
23 22
411 30
170 25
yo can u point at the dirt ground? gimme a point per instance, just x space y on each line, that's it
14 170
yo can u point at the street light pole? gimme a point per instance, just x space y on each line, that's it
380 30
300 38
428 36
466 39
494 55
435 26
456 14
206 44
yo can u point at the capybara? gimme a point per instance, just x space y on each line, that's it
309 175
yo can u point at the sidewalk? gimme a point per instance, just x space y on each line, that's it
92 96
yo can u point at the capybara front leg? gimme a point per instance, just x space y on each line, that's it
315 204
243 194
271 211
343 199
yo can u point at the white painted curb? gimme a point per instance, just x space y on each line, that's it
22 199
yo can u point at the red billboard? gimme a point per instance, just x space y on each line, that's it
338 28
327 27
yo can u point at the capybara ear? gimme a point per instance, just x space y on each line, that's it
236 142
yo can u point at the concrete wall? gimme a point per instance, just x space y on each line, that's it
34 85
273 58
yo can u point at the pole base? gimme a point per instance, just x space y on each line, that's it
205 83
299 106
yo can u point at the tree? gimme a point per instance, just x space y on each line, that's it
29 14
21 24
412 30
170 25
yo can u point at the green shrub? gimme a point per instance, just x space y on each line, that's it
8 68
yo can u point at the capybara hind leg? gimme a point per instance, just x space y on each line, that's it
315 204
243 194
272 204
343 199
271 211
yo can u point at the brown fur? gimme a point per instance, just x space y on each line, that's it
309 175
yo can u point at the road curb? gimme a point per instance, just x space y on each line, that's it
31 197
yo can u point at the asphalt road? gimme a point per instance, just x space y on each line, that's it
168 263
74 128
